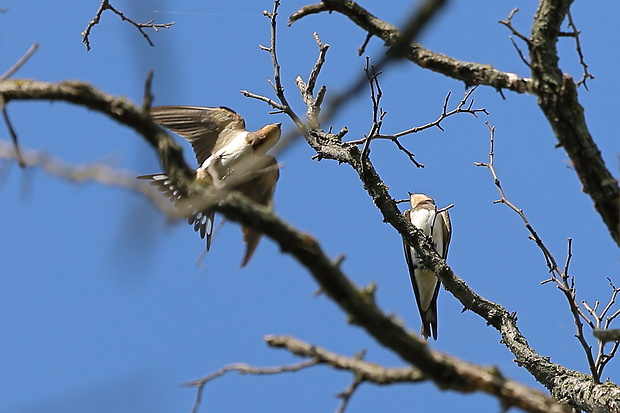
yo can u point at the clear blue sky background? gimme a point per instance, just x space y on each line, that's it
102 305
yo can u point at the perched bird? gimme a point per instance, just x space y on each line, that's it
228 156
423 215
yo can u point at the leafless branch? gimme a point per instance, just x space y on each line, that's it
521 55
313 102
576 33
557 96
398 41
277 81
563 281
242 368
362 48
356 302
365 371
558 100
347 394
508 24
330 146
97 172
12 133
462 107
20 62
602 322
105 5
5 114
377 112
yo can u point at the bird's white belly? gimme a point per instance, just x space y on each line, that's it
426 281
227 158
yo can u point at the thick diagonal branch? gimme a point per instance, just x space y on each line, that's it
557 97
447 371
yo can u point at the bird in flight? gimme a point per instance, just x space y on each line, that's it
228 156
423 215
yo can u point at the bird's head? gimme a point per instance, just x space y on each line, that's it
268 136
417 199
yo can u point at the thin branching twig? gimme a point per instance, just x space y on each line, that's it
561 278
576 33
105 5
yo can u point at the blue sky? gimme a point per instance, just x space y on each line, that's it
102 305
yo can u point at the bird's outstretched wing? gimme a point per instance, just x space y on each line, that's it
205 128
200 219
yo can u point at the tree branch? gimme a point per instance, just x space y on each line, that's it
551 375
359 304
118 108
105 5
95 172
557 93
560 277
242 368
557 97
469 72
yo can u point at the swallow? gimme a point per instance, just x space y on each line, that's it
423 215
228 156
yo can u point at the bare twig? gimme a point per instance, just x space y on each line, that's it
12 133
362 48
575 33
365 371
5 114
346 395
362 370
242 368
601 323
313 102
508 24
105 5
563 281
377 111
462 107
97 172
20 62
277 81
521 55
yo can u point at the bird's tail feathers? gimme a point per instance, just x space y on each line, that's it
429 324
